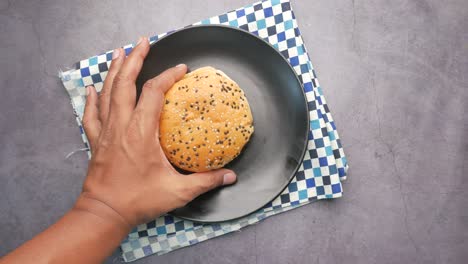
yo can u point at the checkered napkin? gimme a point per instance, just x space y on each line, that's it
324 165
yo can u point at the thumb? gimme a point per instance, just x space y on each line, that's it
203 182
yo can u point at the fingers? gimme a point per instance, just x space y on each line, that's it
91 123
152 95
123 89
199 183
118 57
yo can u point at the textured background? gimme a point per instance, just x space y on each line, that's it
394 74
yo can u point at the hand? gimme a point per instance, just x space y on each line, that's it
129 178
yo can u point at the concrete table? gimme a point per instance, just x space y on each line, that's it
394 74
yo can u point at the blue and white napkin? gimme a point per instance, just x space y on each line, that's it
324 165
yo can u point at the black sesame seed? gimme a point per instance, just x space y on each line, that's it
167 101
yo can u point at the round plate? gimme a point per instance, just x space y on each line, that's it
275 151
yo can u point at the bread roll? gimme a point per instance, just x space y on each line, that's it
206 121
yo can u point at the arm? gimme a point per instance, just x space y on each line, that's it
88 233
129 179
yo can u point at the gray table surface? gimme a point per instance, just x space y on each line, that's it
394 74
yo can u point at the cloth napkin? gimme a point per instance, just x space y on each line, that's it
324 165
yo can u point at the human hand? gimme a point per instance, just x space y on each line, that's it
129 178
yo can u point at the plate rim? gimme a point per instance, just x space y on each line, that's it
304 149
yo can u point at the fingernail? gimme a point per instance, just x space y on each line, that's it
88 90
180 65
140 40
115 54
229 178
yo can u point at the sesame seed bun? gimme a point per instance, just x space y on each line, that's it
205 122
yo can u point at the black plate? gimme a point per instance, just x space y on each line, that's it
274 153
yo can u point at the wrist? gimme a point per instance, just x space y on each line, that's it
99 209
